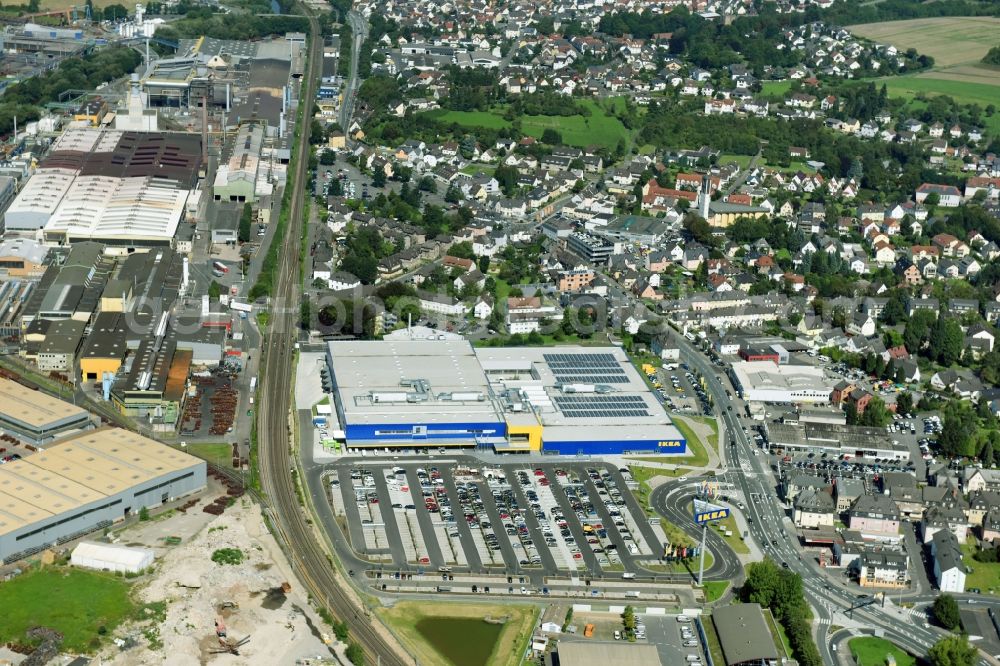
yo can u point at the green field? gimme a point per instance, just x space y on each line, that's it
714 589
961 91
982 575
775 88
597 128
871 651
219 453
84 606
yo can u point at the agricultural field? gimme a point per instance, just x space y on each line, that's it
950 41
957 45
597 128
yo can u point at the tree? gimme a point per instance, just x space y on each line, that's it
946 612
114 12
698 228
917 330
946 340
355 654
904 403
956 438
328 158
507 177
378 178
365 267
317 133
214 290
551 137
305 315
839 317
453 195
992 56
246 218
143 514
953 651
462 250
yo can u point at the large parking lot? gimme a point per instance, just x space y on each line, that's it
571 518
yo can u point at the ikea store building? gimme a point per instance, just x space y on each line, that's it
445 393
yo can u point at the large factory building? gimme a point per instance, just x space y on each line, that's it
87 483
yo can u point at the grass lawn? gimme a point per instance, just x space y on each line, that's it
77 603
597 128
740 160
511 644
871 651
698 457
735 541
961 91
712 638
778 634
642 475
983 575
474 168
769 88
219 453
714 589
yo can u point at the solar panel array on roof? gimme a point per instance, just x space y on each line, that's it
601 406
586 368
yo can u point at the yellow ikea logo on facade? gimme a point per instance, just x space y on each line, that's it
665 445
712 515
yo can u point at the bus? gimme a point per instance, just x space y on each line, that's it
219 266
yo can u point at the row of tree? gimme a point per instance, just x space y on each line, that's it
780 590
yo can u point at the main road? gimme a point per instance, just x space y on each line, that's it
774 532
312 562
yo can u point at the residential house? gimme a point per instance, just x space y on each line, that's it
878 568
876 517
813 508
949 570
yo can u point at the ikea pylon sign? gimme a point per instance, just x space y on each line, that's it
706 513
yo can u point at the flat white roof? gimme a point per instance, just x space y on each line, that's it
624 408
363 369
768 375
585 393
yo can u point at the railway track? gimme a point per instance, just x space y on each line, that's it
310 559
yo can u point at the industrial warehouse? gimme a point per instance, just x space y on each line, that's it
109 185
445 393
86 483
37 417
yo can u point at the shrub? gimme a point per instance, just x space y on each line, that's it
232 556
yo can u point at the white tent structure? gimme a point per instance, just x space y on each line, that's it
109 557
